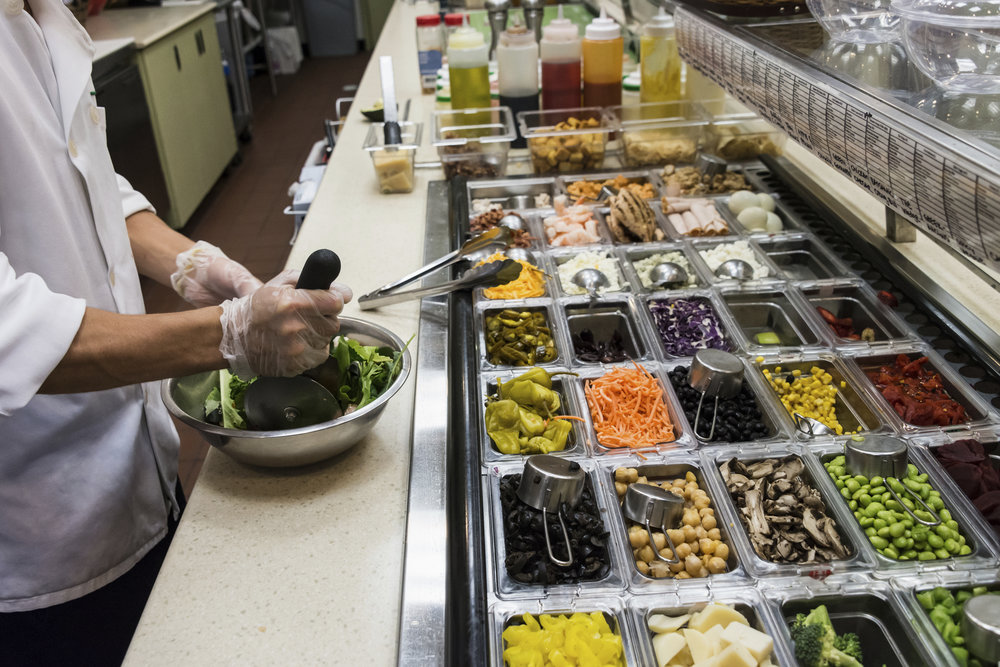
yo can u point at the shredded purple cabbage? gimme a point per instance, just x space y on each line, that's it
688 325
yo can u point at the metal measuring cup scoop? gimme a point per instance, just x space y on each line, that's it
548 482
885 456
810 426
606 193
650 505
590 280
710 166
714 373
981 627
667 274
735 269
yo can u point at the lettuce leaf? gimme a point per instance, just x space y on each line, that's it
366 371
233 390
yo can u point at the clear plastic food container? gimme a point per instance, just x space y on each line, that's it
567 140
770 320
394 164
657 133
743 136
857 21
473 142
606 332
954 42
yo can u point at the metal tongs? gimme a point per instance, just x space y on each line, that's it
478 247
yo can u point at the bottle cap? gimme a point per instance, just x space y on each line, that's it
560 29
632 82
603 28
661 25
428 20
454 20
466 37
517 34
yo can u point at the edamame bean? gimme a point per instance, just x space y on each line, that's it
878 542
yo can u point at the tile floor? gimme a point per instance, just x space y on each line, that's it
243 212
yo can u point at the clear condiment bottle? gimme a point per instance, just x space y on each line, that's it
452 22
468 71
603 49
430 48
560 51
517 71
706 92
659 61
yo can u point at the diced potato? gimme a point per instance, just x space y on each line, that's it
711 662
735 655
663 623
759 644
666 646
701 648
715 614
713 637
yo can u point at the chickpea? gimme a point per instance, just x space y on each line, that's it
682 575
676 535
707 545
679 483
692 565
621 488
689 534
659 569
637 537
716 565
683 550
708 522
722 551
705 511
642 566
700 531
646 554
666 553
695 547
689 476
621 474
702 502
639 480
690 518
715 534
677 492
677 567
659 540
702 572
692 487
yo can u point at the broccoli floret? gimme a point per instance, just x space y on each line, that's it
817 643
850 644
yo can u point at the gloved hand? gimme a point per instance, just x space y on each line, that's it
206 277
279 330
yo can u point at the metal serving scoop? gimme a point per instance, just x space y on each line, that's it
810 426
278 403
668 274
717 374
981 627
885 456
546 484
651 506
590 280
736 269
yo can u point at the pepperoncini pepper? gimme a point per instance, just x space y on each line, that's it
521 419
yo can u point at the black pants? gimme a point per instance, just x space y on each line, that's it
94 630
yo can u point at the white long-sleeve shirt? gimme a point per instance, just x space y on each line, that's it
86 480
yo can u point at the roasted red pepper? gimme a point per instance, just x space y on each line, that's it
917 395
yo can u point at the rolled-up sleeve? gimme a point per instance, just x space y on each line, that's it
32 341
132 201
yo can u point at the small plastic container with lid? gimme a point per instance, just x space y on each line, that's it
430 50
659 61
393 163
468 68
603 49
517 71
560 51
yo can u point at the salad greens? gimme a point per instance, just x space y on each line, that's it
364 372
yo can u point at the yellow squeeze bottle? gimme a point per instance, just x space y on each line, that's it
659 62
467 68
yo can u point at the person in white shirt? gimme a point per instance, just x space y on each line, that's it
88 454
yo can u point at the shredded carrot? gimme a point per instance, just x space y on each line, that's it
627 408
579 419
529 283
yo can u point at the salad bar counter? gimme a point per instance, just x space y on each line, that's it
793 465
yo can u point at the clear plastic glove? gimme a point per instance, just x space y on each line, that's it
278 330
205 276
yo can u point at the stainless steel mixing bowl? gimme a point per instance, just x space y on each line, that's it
185 398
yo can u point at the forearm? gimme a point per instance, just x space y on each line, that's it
155 246
113 350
